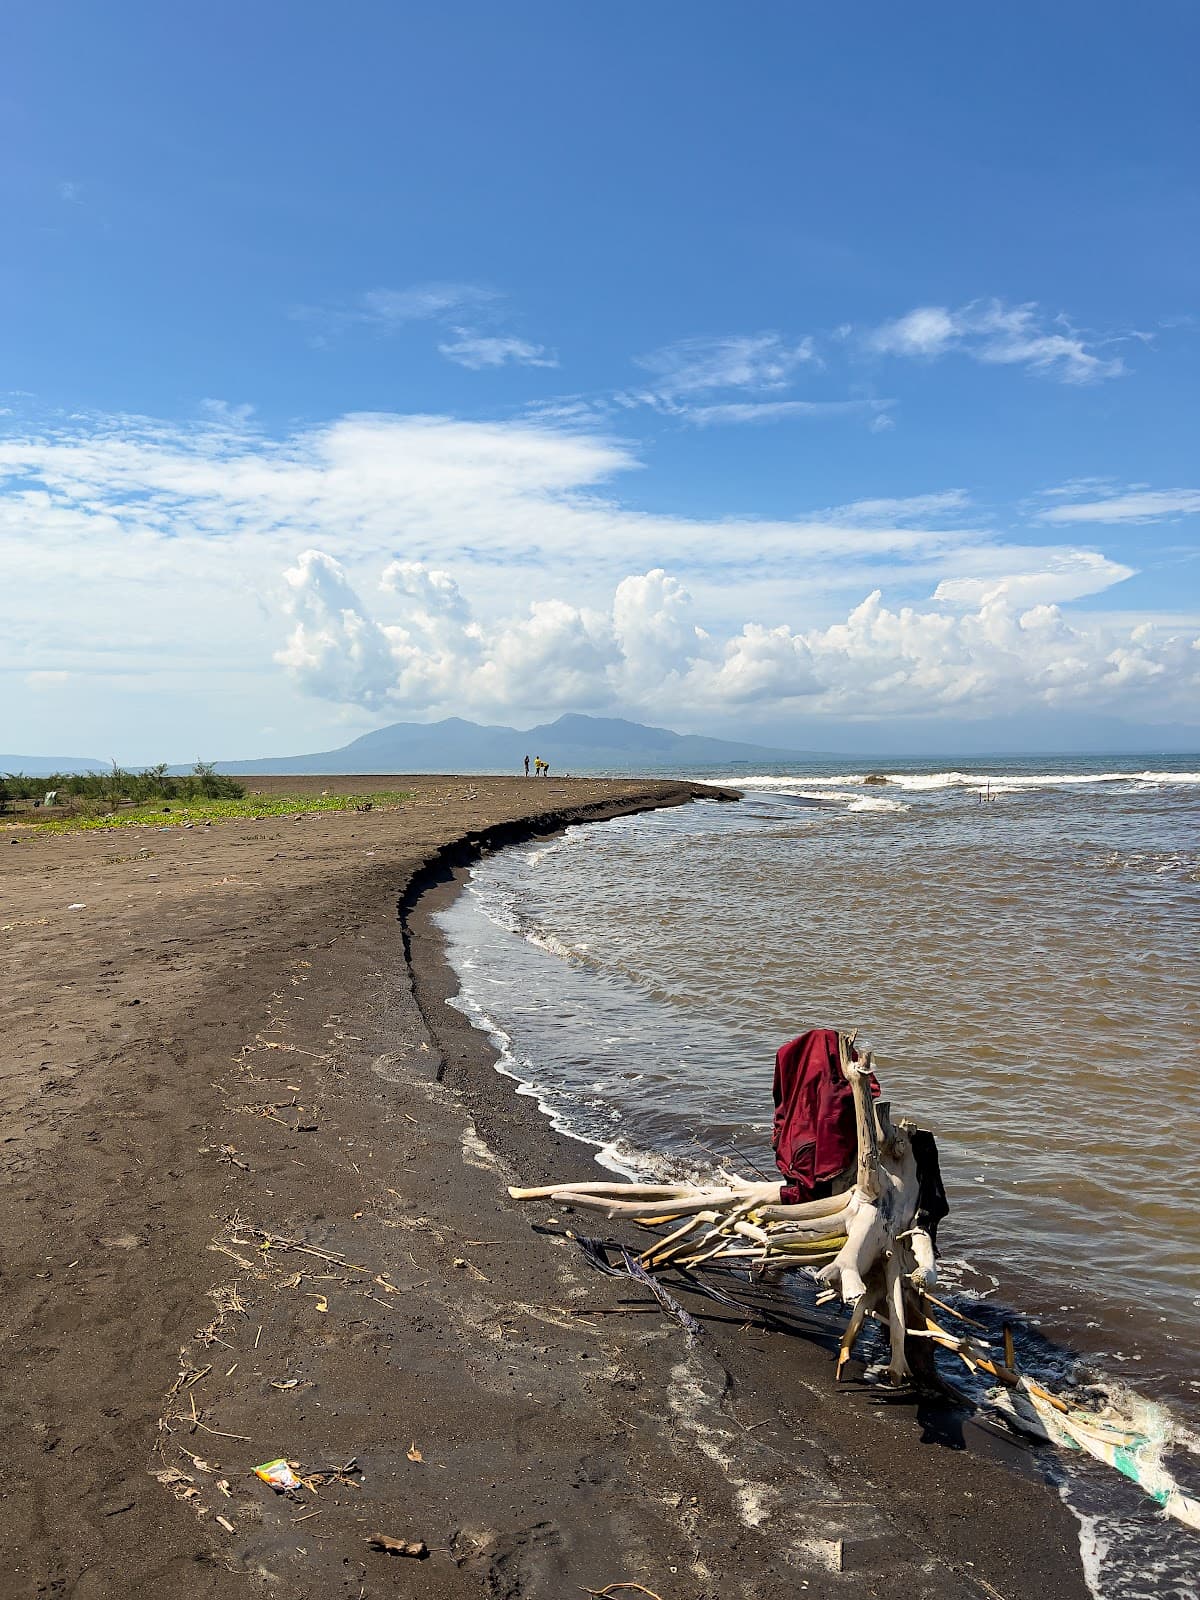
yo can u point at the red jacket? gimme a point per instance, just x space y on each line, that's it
814 1136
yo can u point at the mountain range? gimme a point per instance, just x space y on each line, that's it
573 743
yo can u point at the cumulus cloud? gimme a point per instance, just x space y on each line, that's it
644 652
997 334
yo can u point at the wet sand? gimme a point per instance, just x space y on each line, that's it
237 1038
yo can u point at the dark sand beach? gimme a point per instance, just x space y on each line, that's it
240 1037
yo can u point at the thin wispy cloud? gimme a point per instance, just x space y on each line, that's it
904 510
759 361
1106 503
996 334
477 350
774 410
753 370
389 311
391 307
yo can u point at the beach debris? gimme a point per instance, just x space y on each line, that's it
627 1587
224 1152
416 1548
279 1475
869 1244
1133 1445
666 1300
343 1474
413 1453
181 1484
225 1523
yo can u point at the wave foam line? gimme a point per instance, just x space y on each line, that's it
919 781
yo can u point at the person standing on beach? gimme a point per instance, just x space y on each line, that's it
526 766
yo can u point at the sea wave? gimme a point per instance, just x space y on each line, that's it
999 783
860 802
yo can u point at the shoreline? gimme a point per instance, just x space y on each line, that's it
523 1136
285 1079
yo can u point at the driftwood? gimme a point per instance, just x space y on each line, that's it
864 1244
871 1246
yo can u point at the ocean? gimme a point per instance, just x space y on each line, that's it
1017 941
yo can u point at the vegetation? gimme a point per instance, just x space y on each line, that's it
155 798
119 787
176 815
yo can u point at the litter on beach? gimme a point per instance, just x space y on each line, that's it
279 1475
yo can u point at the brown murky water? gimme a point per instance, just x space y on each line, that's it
1025 968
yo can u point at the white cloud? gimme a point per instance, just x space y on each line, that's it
927 331
644 652
389 311
907 509
1060 576
685 373
738 361
476 350
1133 505
996 334
437 565
773 410
421 301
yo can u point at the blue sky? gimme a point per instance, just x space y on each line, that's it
749 369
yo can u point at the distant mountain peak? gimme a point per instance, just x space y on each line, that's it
574 742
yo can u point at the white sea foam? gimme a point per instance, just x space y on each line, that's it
999 782
873 802
536 856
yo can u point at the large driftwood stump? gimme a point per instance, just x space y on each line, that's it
871 1245
864 1243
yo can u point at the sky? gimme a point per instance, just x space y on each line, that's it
820 376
